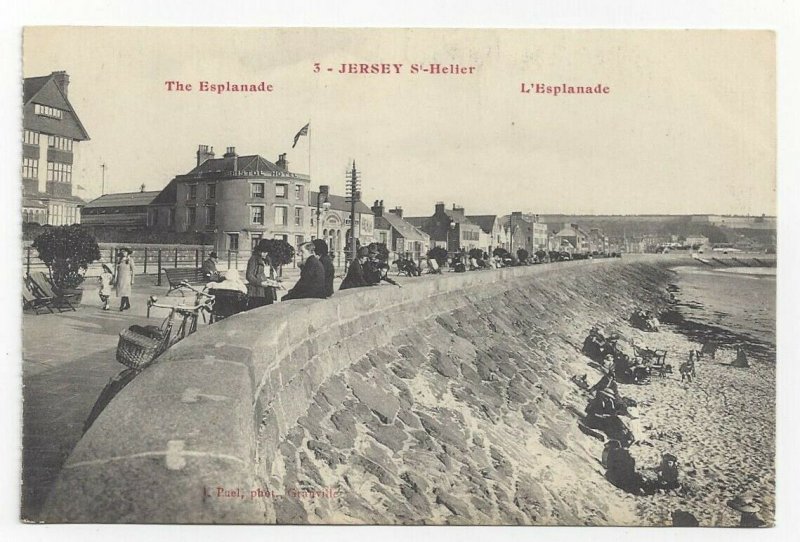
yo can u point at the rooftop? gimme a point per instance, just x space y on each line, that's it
124 199
338 203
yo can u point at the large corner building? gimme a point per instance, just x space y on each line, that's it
51 131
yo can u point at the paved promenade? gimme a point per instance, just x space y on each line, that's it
67 360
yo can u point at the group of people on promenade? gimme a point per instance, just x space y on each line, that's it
316 274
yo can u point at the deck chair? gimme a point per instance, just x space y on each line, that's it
31 301
60 300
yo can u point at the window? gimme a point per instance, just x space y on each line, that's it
191 216
58 142
211 191
233 242
257 214
298 192
281 236
280 216
282 191
153 217
171 217
47 111
192 193
255 238
211 215
30 137
30 168
298 240
383 237
56 171
298 216
256 190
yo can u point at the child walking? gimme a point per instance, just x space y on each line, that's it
106 277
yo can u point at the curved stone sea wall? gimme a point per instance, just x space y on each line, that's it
445 401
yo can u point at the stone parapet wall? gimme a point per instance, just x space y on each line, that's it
211 412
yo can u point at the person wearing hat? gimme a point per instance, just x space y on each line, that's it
321 250
209 268
608 383
123 278
745 504
311 284
355 274
260 275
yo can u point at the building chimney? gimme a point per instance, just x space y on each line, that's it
204 152
141 188
230 155
282 163
458 210
439 208
62 81
377 208
398 211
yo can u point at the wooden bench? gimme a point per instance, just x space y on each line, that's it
191 276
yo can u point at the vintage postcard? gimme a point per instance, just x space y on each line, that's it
398 276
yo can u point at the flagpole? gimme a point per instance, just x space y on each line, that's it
309 149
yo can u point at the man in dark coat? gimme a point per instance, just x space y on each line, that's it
355 274
312 277
209 268
321 250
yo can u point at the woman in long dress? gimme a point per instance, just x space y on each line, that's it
123 278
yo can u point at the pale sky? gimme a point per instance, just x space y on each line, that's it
688 125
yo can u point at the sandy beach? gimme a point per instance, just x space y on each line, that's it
721 426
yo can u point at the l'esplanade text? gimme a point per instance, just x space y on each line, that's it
563 88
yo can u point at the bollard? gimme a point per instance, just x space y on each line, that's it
196 259
158 282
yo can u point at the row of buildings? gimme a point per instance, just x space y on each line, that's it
233 200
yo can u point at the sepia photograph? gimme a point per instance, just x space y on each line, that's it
398 276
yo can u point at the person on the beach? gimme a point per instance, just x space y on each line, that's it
687 368
741 358
744 503
621 467
106 278
607 381
709 348
668 472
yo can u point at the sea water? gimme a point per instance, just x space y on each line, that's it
738 302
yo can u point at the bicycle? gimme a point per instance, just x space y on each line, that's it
139 346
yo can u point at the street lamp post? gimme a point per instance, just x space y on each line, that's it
323 191
451 226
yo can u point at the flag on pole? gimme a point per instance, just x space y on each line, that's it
303 131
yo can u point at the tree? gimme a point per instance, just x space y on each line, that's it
522 256
67 252
280 252
439 254
500 252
